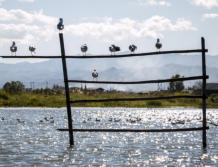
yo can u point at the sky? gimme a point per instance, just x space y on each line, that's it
179 24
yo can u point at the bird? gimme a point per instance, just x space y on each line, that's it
84 49
158 44
13 48
60 25
32 49
97 120
132 48
113 48
19 121
95 74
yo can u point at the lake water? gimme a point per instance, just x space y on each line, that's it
28 137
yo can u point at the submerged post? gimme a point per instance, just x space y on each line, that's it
66 88
204 122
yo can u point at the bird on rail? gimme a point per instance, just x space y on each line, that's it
95 74
113 48
60 25
132 48
84 49
158 44
13 48
32 49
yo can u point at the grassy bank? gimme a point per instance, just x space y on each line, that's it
58 100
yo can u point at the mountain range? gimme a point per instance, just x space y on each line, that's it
47 73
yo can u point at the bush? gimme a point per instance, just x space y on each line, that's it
14 87
3 96
154 103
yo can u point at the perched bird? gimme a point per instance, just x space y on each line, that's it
158 44
13 48
84 49
132 48
60 25
113 48
32 49
95 74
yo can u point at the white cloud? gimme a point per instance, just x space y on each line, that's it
26 17
25 27
206 3
25 0
154 3
111 30
210 15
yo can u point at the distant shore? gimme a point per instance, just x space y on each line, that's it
58 100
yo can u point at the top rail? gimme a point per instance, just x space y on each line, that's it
110 56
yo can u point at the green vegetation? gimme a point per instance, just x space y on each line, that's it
14 94
56 98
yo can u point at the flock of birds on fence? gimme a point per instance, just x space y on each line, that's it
84 48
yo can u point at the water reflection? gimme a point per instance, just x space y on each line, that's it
28 137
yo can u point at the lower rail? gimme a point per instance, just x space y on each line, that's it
134 130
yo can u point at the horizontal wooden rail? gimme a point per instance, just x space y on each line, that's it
134 130
111 56
141 82
135 99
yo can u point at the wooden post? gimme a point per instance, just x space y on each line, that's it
204 122
66 89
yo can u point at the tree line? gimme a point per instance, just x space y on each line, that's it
16 87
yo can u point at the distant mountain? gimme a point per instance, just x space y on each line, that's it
50 72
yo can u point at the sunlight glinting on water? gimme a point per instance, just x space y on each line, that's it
29 137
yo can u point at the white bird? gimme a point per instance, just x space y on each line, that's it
84 49
113 48
95 74
13 48
158 44
132 48
60 25
32 50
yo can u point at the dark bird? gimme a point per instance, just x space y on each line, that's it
19 121
132 48
114 48
60 25
32 49
97 120
95 74
158 44
84 49
13 48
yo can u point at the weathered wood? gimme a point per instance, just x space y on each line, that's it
141 82
135 130
134 99
110 56
204 105
64 65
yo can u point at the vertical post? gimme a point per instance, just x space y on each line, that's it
204 123
66 89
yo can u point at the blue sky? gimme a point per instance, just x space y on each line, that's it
98 23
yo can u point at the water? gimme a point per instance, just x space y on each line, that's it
27 138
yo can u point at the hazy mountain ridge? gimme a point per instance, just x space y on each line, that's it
121 70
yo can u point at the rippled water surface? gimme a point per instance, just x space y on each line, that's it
28 137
